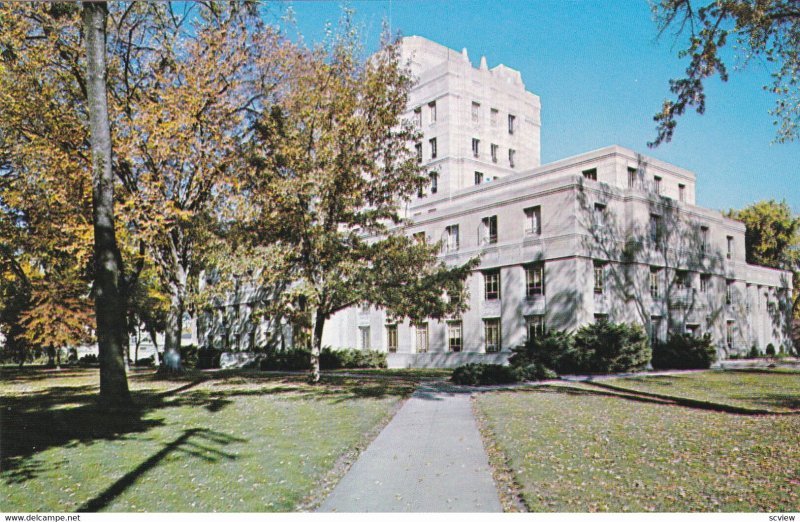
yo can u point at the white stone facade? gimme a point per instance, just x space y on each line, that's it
610 234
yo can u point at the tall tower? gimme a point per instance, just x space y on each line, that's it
478 124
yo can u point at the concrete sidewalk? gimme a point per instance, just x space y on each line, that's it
429 458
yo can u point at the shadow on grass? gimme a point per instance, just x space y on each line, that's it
609 390
197 442
57 416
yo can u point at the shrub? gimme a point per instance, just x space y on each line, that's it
473 374
685 352
208 358
287 360
189 356
552 351
331 359
88 359
144 361
754 353
606 347
536 372
770 350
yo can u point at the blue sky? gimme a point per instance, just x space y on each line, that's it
602 73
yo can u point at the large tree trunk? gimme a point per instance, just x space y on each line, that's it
109 298
317 324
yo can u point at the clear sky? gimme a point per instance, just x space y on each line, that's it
601 73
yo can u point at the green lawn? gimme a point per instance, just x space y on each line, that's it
776 391
578 449
223 441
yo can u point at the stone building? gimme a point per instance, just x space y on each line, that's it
606 235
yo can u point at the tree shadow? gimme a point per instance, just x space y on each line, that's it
58 416
662 269
610 391
197 442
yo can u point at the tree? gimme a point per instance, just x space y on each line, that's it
181 84
763 29
184 119
772 238
332 167
110 306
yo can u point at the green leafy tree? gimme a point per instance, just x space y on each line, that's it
763 30
772 234
332 167
772 238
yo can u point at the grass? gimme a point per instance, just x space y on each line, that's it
578 449
777 391
207 442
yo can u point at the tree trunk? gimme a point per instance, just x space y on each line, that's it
174 330
58 358
156 358
109 299
51 356
317 323
138 342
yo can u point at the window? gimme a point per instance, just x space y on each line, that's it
655 275
657 184
391 338
432 141
491 285
705 283
729 327
703 239
494 114
512 120
729 292
478 177
655 328
599 276
693 330
476 112
533 221
494 152
432 109
491 330
535 326
681 279
363 308
421 337
418 117
418 148
434 182
534 280
476 143
730 247
655 228
512 154
590 174
451 243
600 318
633 177
364 335
489 230
419 237
599 214
681 192
454 342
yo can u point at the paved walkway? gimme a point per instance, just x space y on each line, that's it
429 458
